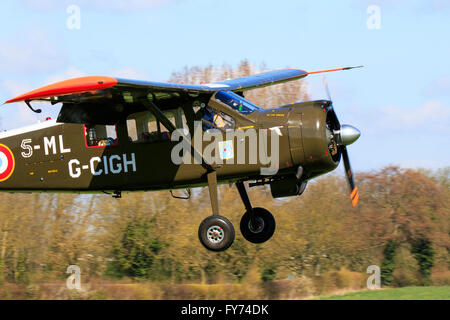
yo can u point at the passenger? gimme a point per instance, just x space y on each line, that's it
208 115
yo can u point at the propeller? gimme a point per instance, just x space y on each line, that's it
354 195
346 135
325 85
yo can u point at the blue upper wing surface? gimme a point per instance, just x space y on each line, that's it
263 79
238 84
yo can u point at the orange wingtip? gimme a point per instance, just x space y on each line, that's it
331 70
75 85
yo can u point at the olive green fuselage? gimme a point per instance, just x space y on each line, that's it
56 157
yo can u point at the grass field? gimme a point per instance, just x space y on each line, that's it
405 293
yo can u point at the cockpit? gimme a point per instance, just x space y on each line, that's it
236 102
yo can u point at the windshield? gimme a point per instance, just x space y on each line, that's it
236 102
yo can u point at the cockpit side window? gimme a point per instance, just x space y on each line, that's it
236 102
214 119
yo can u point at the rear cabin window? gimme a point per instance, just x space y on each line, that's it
100 135
143 127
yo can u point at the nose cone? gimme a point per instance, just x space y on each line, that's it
349 134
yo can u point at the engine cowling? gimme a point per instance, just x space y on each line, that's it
312 137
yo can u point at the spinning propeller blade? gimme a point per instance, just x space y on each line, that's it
346 135
354 195
325 85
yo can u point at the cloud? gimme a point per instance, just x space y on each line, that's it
128 73
15 88
120 5
34 53
435 5
417 6
71 72
431 116
16 114
439 87
129 5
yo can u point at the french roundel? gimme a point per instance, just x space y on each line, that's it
6 162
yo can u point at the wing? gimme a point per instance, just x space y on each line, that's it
105 100
99 86
237 84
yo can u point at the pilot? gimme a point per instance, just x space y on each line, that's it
219 122
214 119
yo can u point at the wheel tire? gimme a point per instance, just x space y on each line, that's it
216 233
266 228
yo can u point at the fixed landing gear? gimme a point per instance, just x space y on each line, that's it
262 230
216 233
257 224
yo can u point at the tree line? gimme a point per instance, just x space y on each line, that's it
400 224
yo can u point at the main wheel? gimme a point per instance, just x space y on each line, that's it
216 233
264 229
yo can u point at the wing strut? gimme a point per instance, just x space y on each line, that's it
158 114
169 125
211 173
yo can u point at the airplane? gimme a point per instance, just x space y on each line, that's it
116 135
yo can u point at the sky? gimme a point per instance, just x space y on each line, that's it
400 100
